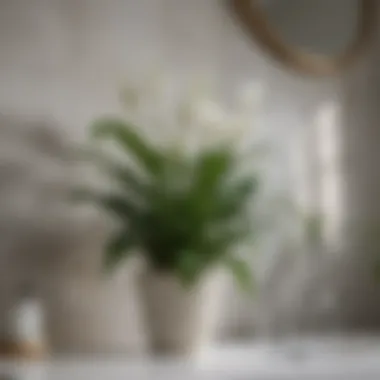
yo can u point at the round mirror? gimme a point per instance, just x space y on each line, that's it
319 37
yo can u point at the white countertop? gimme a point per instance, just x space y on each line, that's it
314 358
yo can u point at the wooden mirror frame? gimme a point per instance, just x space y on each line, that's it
253 19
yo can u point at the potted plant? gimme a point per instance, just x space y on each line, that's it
185 208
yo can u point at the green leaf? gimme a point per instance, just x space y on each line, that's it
210 170
117 248
130 182
241 273
127 136
222 239
115 204
123 173
234 199
210 173
189 267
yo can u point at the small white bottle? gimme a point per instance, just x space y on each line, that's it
27 325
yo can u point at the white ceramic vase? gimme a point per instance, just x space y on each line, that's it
180 321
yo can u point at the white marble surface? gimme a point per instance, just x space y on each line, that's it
316 358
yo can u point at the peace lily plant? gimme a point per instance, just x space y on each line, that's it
185 182
183 197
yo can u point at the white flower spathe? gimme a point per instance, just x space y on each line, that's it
189 117
191 104
209 114
214 126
